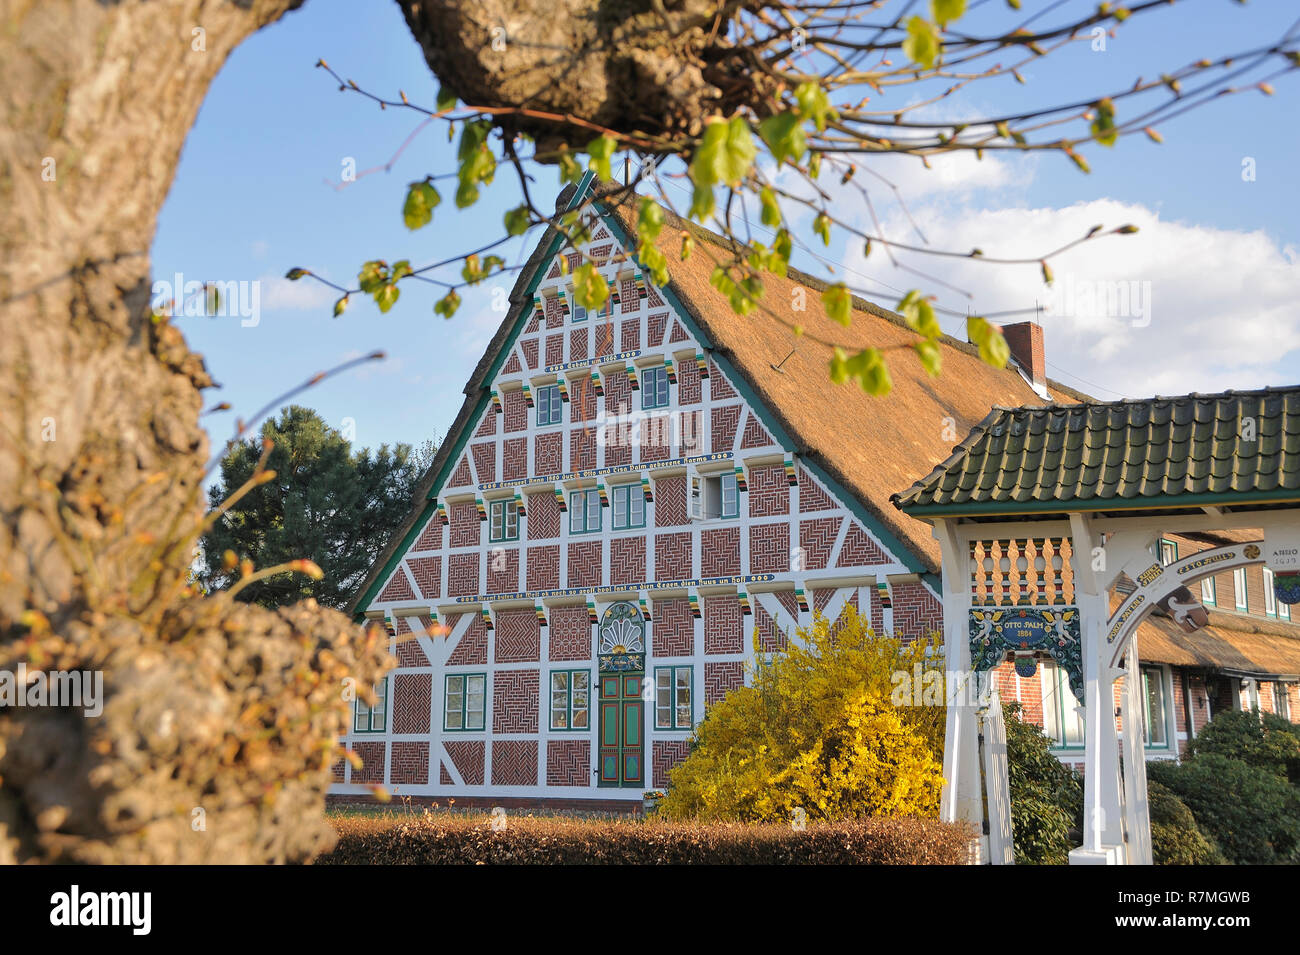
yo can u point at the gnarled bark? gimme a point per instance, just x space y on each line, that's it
212 706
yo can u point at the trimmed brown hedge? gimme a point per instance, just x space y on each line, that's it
430 838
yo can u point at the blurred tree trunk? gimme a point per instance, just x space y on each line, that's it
216 734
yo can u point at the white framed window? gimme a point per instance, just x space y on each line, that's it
504 522
1208 594
464 701
673 697
372 719
715 496
578 313
1168 552
1239 588
1249 694
550 408
570 699
654 387
1061 711
629 506
1282 700
1270 595
584 512
1157 703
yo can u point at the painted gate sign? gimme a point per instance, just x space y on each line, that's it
1027 631
1282 556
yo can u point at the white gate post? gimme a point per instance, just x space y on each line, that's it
1137 815
961 798
1103 840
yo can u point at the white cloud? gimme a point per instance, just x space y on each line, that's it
1177 307
304 294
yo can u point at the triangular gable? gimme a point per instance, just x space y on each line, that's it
763 428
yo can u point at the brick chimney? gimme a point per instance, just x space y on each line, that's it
1025 340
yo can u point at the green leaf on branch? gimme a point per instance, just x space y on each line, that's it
477 164
838 302
946 11
771 214
822 226
1103 123
988 337
654 261
570 171
650 220
784 137
446 99
703 202
601 151
447 305
518 220
373 274
724 156
340 305
401 269
814 105
386 295
421 200
590 290
919 314
867 368
921 45
931 356
294 275
782 247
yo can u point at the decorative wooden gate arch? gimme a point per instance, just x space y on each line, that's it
1044 511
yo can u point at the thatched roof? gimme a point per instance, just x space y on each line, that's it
870 447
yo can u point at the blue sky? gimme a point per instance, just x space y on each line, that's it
1215 265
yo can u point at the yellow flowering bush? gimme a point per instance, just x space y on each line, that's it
820 730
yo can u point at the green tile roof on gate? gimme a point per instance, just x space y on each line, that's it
1233 448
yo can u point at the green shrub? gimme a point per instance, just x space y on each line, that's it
1176 839
1268 742
1252 814
1046 795
430 838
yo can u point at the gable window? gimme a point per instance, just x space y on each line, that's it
1239 587
464 701
1207 590
715 496
579 313
584 512
570 699
1061 719
629 506
372 719
1168 552
549 408
673 698
1155 707
504 523
1270 595
654 387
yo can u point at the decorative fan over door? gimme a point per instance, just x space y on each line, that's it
621 660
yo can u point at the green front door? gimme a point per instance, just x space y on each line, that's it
621 716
